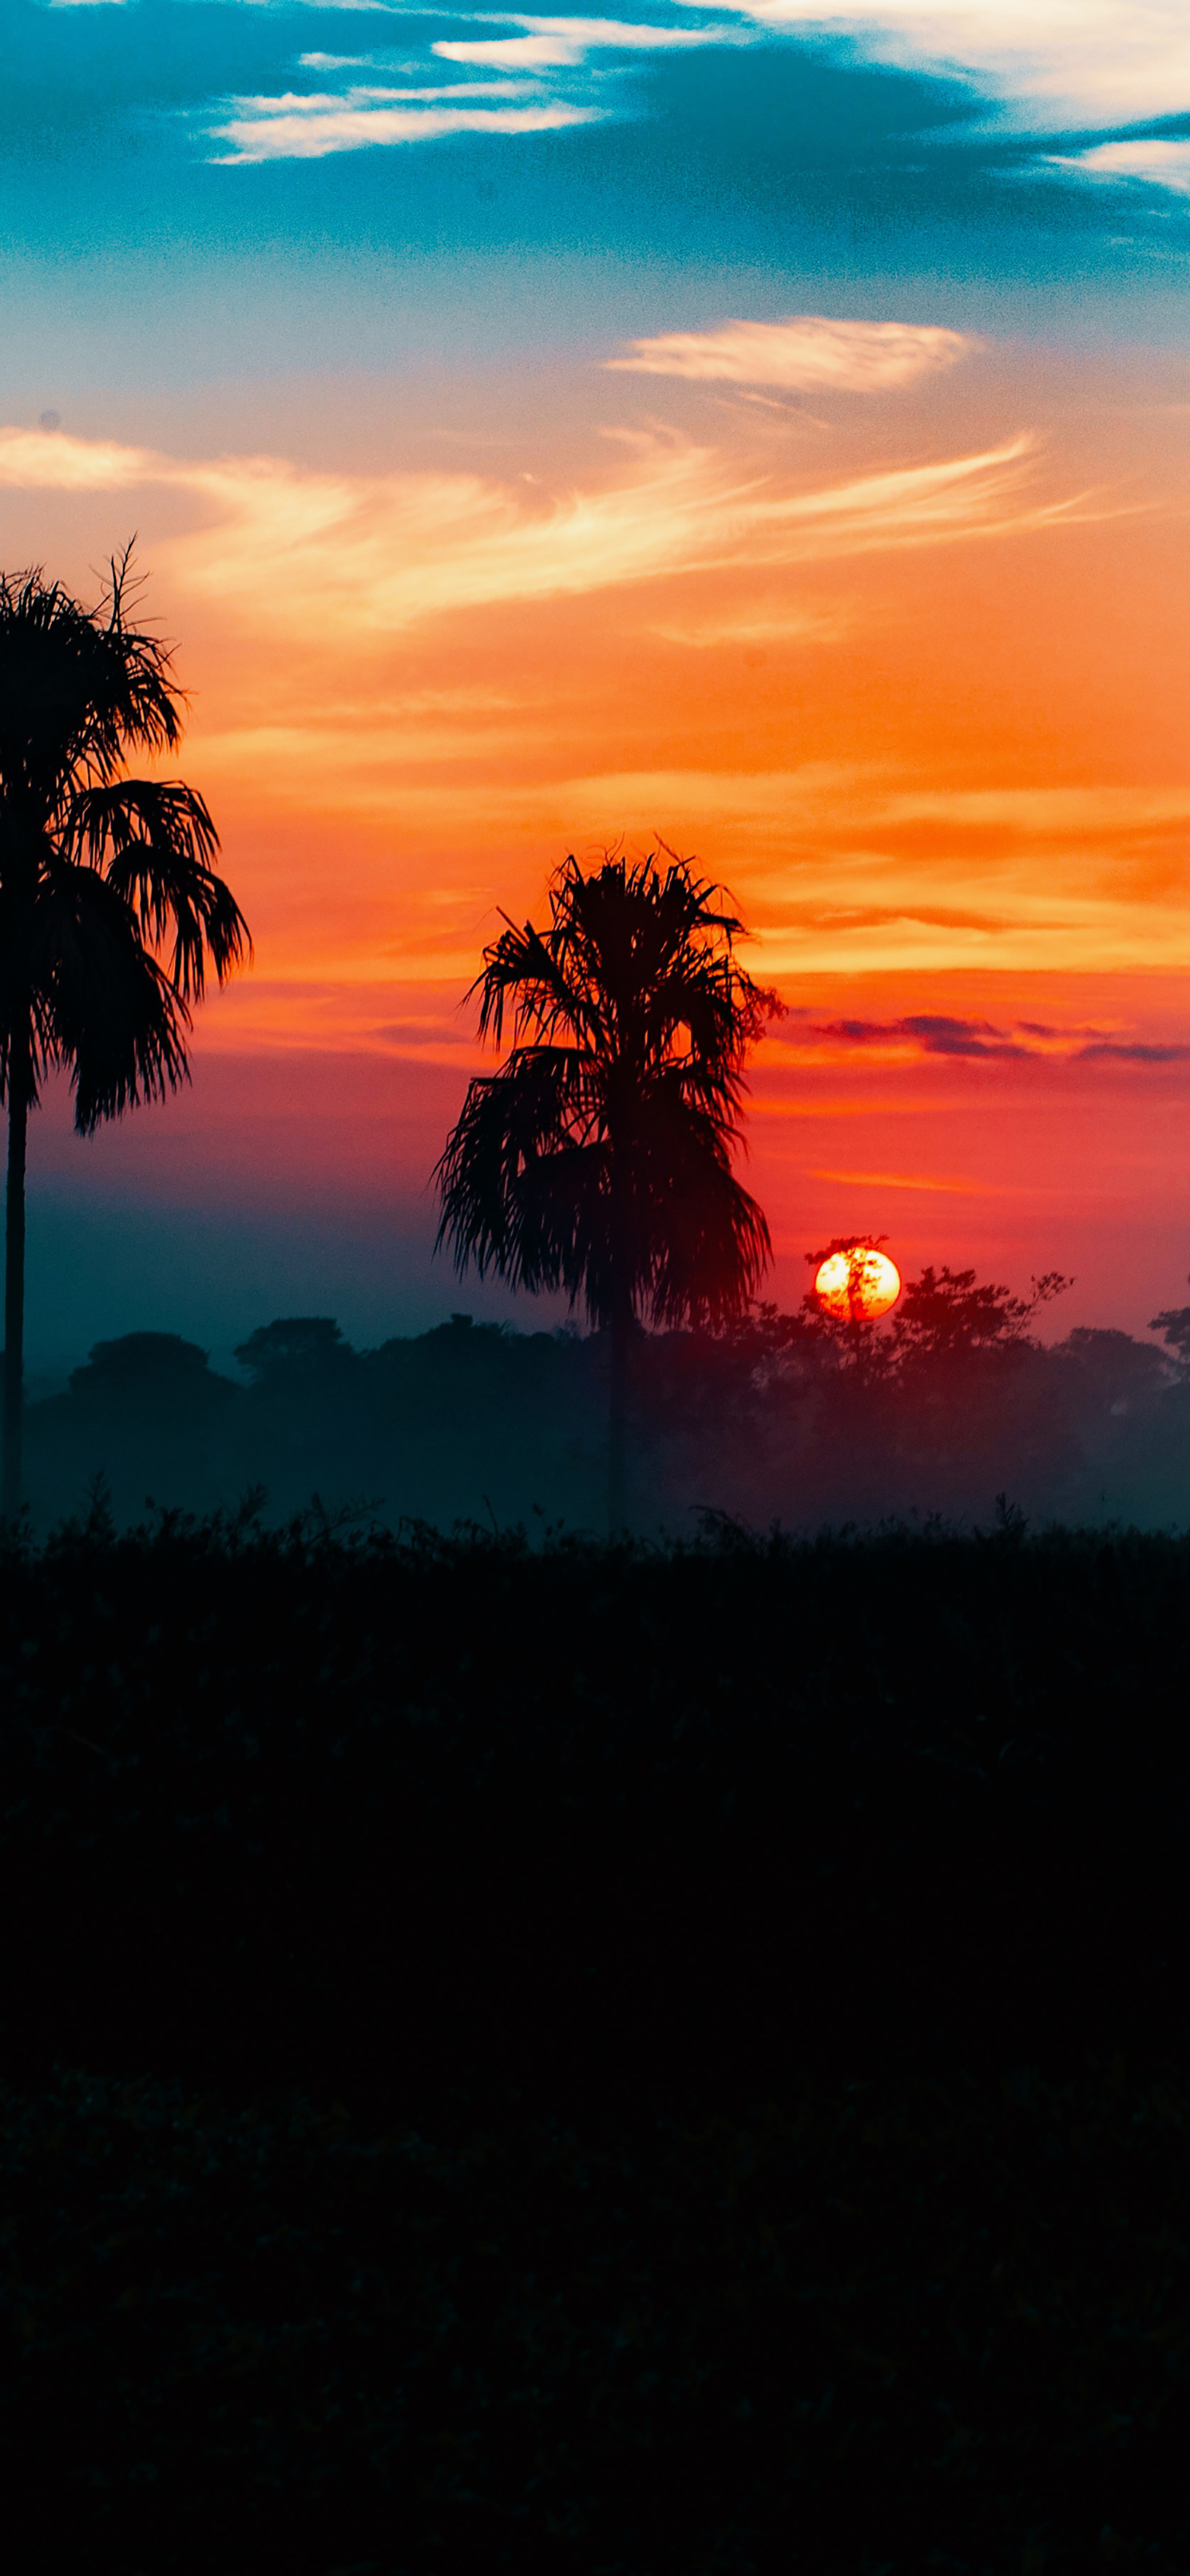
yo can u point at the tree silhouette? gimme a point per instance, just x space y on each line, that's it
295 1346
598 1158
98 871
1173 1324
949 1312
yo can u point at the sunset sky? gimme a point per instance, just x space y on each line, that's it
762 427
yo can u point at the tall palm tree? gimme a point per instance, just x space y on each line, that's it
598 1158
98 873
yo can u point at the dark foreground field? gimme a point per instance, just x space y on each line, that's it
641 2065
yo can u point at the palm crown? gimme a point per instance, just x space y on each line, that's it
98 870
598 1158
110 908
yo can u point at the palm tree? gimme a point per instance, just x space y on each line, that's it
598 1158
98 871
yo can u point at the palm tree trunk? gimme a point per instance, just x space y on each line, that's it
617 1424
14 1283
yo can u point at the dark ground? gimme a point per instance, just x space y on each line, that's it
595 2060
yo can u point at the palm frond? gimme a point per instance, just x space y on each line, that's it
100 1004
521 969
147 705
155 839
78 687
98 870
513 1122
701 1241
598 1159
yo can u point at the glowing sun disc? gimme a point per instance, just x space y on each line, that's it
857 1286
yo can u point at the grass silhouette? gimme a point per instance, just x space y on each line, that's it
638 2059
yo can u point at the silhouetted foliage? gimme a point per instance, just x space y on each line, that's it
221 1726
589 1994
951 1310
99 872
893 2323
794 1418
296 1345
146 1368
598 1158
1174 1328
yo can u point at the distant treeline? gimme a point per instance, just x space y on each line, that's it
788 1418
659 2061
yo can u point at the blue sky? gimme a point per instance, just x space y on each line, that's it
718 151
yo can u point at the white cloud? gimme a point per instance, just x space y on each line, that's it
514 53
1165 165
305 127
353 556
1110 59
592 33
554 42
1107 60
368 95
807 351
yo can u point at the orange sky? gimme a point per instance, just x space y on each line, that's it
904 666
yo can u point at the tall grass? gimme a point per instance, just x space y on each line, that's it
661 2061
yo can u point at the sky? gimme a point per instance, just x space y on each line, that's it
759 428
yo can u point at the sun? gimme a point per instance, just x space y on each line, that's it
857 1283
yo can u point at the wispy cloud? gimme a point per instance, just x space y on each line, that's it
1112 1051
353 553
760 624
1080 814
1049 62
932 1034
1108 60
514 53
557 43
1162 164
807 351
928 1033
550 55
930 1182
301 126
44 460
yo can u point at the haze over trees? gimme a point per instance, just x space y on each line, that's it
110 907
776 1417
